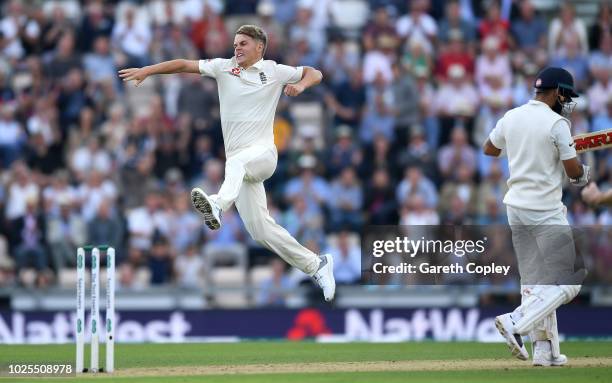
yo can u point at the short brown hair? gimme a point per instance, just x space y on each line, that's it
255 32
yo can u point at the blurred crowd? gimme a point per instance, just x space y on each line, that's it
410 93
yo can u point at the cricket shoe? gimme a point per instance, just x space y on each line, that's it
324 277
207 207
542 355
505 326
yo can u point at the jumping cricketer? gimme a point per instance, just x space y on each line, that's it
249 90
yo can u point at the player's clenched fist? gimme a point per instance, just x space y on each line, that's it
136 74
294 89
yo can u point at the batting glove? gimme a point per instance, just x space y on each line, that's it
584 179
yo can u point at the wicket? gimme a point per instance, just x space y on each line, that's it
95 311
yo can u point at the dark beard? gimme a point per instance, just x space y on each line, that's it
558 107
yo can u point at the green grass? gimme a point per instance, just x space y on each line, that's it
157 355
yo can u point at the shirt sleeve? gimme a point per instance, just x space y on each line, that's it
289 74
210 68
497 135
562 139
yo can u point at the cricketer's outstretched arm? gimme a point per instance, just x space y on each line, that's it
166 67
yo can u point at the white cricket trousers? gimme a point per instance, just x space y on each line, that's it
243 186
534 233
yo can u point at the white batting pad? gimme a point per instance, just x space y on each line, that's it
542 302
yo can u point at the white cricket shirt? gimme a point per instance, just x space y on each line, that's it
248 99
536 140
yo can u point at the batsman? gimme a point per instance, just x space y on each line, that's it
537 140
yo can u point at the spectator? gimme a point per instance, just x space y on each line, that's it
90 157
603 121
144 221
55 27
418 153
379 155
65 59
418 25
189 268
302 224
380 202
65 233
303 29
455 24
72 100
340 63
601 27
461 186
571 58
493 214
567 26
529 31
344 153
133 38
172 44
10 27
456 101
493 25
12 136
380 25
347 100
96 24
230 233
100 64
213 175
93 191
378 62
347 259
29 231
416 58
601 90
312 188
345 206
160 261
455 52
107 227
273 291
58 191
415 183
493 68
415 212
406 100
274 29
208 33
379 116
21 188
455 154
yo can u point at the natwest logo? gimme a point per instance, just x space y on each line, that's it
308 323
440 325
17 328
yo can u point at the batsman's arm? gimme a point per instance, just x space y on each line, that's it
166 67
491 150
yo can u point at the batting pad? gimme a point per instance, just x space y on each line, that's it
542 302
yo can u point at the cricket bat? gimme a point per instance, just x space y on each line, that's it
593 141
